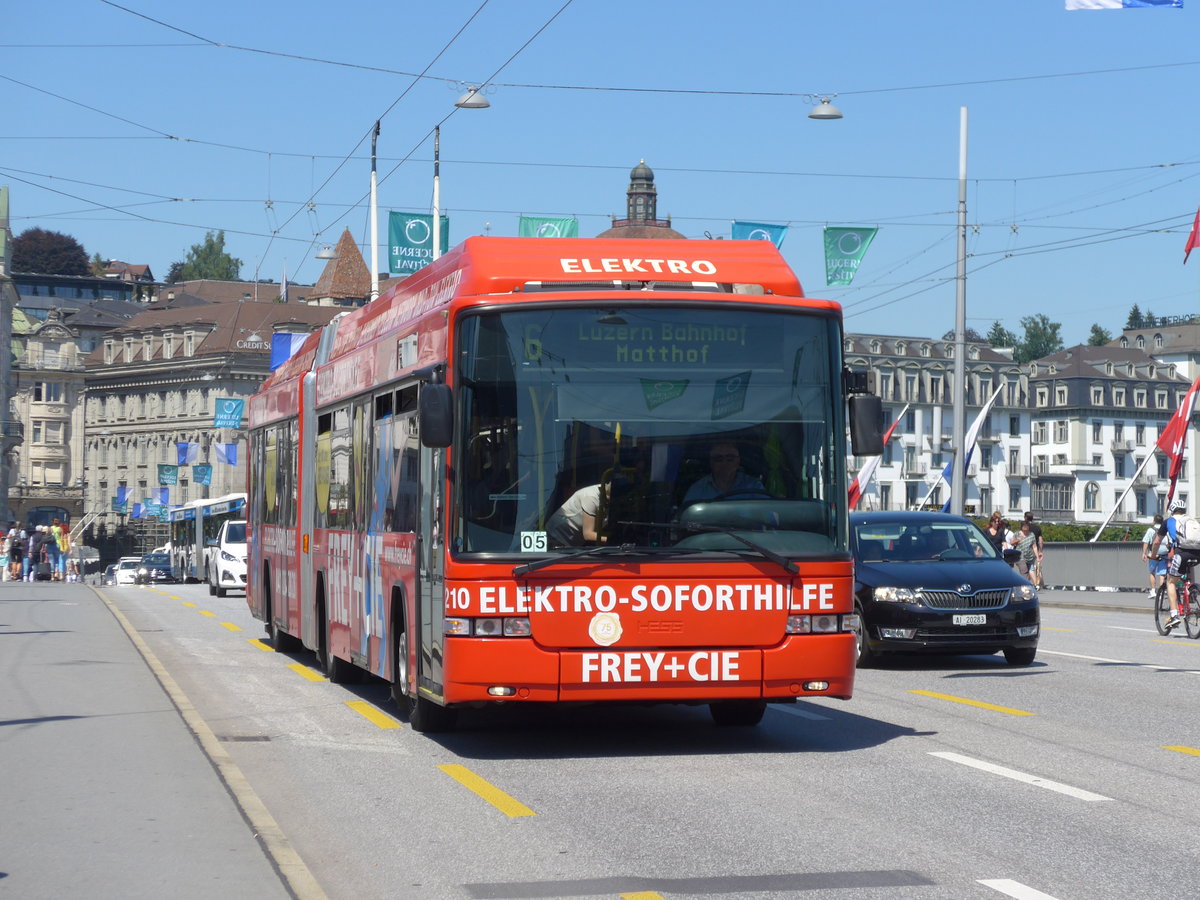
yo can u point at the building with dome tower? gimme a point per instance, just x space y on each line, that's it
641 210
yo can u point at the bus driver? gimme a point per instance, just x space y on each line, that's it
725 479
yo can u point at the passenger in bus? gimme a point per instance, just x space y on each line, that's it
577 521
726 479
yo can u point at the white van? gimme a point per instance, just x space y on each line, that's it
225 558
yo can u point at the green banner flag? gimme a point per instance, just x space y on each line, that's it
844 250
547 227
168 474
410 241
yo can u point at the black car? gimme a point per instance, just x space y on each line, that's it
155 568
934 583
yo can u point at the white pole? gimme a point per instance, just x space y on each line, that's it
1121 499
437 214
958 476
374 221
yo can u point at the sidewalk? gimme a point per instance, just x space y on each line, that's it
1112 601
108 790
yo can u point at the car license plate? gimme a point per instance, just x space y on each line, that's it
972 619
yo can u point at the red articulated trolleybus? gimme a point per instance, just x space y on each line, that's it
567 470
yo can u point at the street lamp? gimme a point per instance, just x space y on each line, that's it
472 99
958 475
825 110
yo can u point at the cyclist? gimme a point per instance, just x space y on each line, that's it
1181 559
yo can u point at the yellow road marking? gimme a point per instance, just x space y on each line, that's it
231 626
981 705
188 603
1190 751
205 612
306 672
1176 642
508 805
371 714
261 645
172 597
643 895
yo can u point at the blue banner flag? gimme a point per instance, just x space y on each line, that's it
229 413
202 474
757 231
137 510
227 453
1122 4
284 344
547 227
122 496
187 453
410 241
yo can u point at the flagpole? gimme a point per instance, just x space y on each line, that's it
958 476
437 213
1121 499
374 221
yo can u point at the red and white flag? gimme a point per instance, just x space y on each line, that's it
867 472
1193 238
1173 439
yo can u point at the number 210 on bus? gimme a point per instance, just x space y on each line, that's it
566 471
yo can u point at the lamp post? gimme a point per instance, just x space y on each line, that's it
472 99
958 473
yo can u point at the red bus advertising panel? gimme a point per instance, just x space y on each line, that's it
565 470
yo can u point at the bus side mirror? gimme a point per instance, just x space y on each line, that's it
436 410
866 425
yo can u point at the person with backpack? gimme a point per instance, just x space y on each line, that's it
1184 533
1155 546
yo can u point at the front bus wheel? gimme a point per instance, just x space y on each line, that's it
423 714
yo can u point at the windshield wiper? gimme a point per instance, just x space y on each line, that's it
605 550
777 558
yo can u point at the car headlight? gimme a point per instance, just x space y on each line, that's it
228 557
897 595
1022 593
143 571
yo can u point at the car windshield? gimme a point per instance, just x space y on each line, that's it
908 541
128 564
156 559
235 533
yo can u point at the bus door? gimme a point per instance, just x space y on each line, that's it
430 600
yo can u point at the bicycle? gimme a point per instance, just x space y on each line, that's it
1188 595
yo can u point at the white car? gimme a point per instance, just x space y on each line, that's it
127 567
225 558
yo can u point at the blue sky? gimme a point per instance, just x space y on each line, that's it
136 136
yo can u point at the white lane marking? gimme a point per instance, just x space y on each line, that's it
1078 793
798 711
1014 889
1121 662
1130 628
1081 656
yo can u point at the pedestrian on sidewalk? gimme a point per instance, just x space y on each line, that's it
1155 548
1036 575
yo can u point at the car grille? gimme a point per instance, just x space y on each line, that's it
984 634
993 599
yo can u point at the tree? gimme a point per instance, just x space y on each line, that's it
175 273
1041 338
1099 336
971 335
43 252
999 336
97 265
209 260
1135 319
1149 320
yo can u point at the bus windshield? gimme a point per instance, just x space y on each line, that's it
649 426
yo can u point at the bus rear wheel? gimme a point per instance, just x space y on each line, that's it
737 713
423 714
